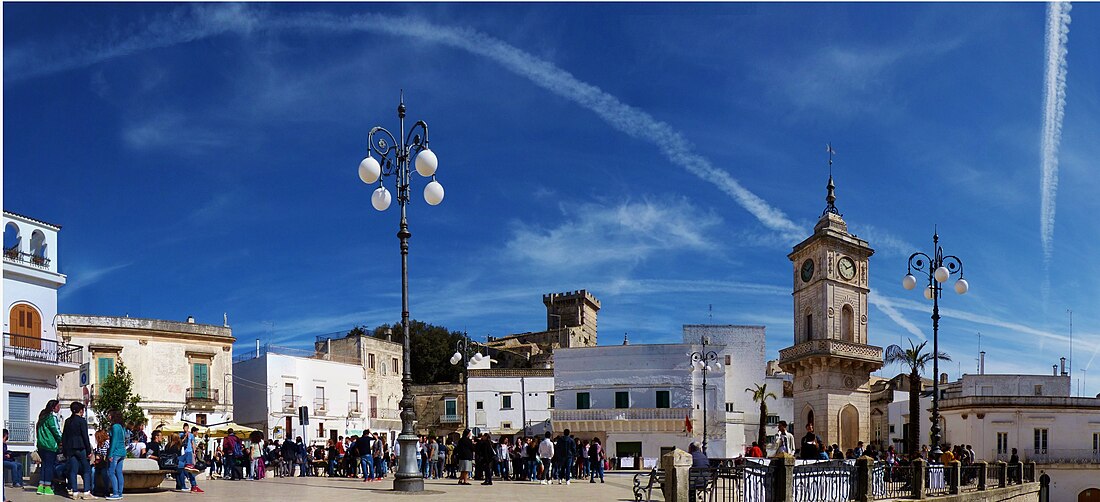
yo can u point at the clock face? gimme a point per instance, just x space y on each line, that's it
847 268
807 270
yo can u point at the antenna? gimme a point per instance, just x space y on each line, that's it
710 312
1071 348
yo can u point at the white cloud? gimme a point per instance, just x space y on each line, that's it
886 306
81 278
627 233
171 130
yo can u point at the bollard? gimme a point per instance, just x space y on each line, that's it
863 480
983 471
1030 469
782 471
919 475
1002 474
677 467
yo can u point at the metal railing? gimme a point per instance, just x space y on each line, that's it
20 431
891 481
355 409
202 397
290 403
14 254
969 477
320 404
386 413
29 348
623 414
729 482
450 419
827 481
935 480
1060 456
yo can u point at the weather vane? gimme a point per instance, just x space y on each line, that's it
831 152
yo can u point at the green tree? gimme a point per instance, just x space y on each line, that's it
430 348
760 395
916 359
116 393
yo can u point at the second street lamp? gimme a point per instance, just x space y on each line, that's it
704 360
395 154
463 355
939 268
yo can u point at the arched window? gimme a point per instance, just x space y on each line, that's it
12 240
849 427
847 324
25 326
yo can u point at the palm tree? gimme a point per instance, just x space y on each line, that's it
760 395
916 359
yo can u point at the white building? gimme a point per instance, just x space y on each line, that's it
273 382
505 401
34 357
642 400
1036 415
181 370
381 358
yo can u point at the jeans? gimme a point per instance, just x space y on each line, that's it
114 476
547 467
379 467
597 468
566 467
16 472
49 464
78 464
366 463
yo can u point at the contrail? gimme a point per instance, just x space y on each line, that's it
636 123
1054 104
887 307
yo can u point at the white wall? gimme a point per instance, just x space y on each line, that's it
1067 429
1067 481
897 413
530 393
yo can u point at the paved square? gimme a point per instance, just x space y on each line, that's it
617 488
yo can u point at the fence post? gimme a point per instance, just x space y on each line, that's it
782 471
862 488
919 475
1002 474
953 472
1030 469
677 467
983 472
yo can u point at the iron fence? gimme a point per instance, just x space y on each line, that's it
969 476
826 481
20 431
726 481
891 481
935 480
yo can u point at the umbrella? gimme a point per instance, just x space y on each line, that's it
222 430
178 426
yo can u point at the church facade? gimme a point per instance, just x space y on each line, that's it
831 359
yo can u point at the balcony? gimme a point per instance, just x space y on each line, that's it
450 419
17 256
385 414
201 399
37 354
320 405
290 403
669 420
355 409
1052 456
20 432
814 352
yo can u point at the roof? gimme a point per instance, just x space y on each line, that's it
25 217
512 373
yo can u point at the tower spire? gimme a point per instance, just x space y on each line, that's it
830 197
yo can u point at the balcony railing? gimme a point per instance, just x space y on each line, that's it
320 404
14 254
623 414
829 347
202 398
1060 456
385 413
450 419
20 431
29 348
290 403
355 409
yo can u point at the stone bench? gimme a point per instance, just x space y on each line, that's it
138 474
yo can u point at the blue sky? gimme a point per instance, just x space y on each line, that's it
202 159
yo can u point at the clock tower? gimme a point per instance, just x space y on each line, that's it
831 360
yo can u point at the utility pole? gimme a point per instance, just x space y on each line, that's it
1070 312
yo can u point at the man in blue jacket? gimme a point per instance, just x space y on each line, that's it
77 449
567 449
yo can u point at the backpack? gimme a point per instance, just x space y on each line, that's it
237 448
594 450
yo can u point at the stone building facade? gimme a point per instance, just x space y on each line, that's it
440 408
831 360
181 370
570 322
381 359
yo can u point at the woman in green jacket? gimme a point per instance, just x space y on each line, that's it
49 443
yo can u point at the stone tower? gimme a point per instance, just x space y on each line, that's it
830 359
572 310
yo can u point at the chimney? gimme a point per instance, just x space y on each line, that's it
1055 369
943 378
981 364
190 319
389 334
1063 365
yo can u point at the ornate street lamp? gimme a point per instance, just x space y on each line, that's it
939 268
705 360
395 154
466 351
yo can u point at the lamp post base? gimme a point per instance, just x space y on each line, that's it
408 477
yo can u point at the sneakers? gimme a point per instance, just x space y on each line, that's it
45 490
195 489
73 495
191 468
87 496
567 481
114 497
543 482
184 490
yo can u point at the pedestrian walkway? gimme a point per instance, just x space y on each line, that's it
617 488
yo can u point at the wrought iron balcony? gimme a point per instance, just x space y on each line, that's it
20 431
320 404
15 255
385 413
201 398
355 409
450 419
290 403
43 350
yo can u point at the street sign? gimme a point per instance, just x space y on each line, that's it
303 415
84 374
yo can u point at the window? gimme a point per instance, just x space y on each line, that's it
370 361
1095 442
583 401
288 427
729 359
729 407
320 429
506 401
319 400
809 326
1038 390
200 380
663 399
200 419
288 396
394 366
353 401
450 407
1002 443
622 399
773 419
480 405
847 324
26 327
374 406
383 369
105 367
891 428
551 400
506 425
19 418
1040 441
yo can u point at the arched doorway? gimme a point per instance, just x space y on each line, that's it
807 418
849 427
1090 495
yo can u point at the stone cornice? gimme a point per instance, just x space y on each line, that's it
142 328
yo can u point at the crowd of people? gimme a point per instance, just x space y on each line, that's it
546 459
